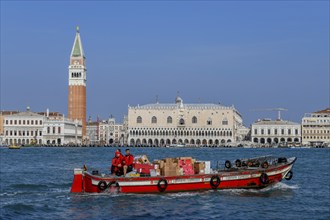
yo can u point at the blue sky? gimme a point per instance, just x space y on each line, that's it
249 54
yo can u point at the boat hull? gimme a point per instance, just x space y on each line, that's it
238 179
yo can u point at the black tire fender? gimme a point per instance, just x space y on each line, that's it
162 185
289 175
238 163
114 184
227 164
264 178
102 185
215 181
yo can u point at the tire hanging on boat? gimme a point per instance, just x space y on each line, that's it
102 185
162 185
238 163
215 182
264 178
114 184
289 175
227 164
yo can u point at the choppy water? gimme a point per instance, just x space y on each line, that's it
35 184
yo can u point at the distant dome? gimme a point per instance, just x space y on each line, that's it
178 100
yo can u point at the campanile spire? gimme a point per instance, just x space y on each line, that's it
77 82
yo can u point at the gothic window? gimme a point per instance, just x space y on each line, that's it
209 122
169 120
181 122
225 121
194 120
139 120
153 120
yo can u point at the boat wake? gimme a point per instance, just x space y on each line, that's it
278 189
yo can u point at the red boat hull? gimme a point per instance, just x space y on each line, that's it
238 179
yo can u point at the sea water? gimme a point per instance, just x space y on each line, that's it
35 184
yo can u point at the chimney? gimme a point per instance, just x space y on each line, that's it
47 112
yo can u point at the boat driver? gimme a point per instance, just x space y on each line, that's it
116 166
128 162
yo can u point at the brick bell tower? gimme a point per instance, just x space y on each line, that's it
77 83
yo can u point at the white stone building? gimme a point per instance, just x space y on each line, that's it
111 132
61 131
31 128
179 123
23 128
275 132
316 128
92 132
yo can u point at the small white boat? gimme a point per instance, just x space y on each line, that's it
177 145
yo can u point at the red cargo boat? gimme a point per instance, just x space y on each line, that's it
253 173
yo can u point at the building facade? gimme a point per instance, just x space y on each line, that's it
275 132
92 132
111 132
316 128
179 123
23 128
77 83
31 128
61 131
2 122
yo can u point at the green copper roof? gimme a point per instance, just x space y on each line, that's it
76 49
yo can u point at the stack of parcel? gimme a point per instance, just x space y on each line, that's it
171 166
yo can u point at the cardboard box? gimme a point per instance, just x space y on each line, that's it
161 164
198 166
168 160
171 171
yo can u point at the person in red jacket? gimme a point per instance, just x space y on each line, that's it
116 166
128 162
